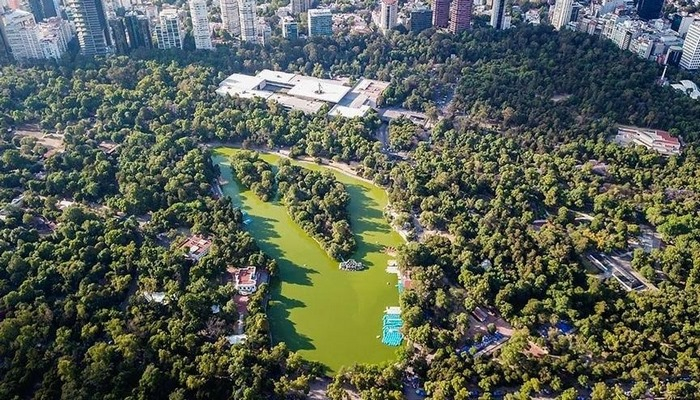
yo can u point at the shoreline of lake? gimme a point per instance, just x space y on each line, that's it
325 314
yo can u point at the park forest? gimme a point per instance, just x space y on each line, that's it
519 188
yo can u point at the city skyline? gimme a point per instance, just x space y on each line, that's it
350 202
120 33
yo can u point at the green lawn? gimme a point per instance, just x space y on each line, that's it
327 315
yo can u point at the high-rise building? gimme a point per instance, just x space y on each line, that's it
54 35
20 30
121 44
169 29
230 18
300 6
42 9
388 14
441 13
200 24
576 11
27 39
151 11
622 35
681 23
138 31
500 18
247 10
320 22
4 50
649 9
90 26
562 13
290 28
34 7
460 16
49 8
673 55
420 18
13 5
691 48
263 32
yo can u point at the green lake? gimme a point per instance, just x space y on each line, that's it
325 314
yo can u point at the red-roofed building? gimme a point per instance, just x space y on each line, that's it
654 139
407 282
196 247
244 279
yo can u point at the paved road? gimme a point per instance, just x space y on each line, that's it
383 135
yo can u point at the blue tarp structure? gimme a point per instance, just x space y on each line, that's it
246 218
485 342
564 327
391 329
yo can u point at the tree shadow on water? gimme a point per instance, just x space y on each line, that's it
367 213
264 232
294 274
366 216
283 328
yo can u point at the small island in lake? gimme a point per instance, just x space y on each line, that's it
351 265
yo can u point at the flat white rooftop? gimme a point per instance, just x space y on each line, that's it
306 93
245 86
275 76
295 103
688 87
348 112
317 90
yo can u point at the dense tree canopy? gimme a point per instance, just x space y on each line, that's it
520 173
318 203
254 173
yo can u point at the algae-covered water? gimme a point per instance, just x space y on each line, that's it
325 314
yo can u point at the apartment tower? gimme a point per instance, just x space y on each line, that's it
300 6
90 26
230 18
320 22
247 11
460 16
388 14
499 16
691 48
562 13
169 30
201 30
441 13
